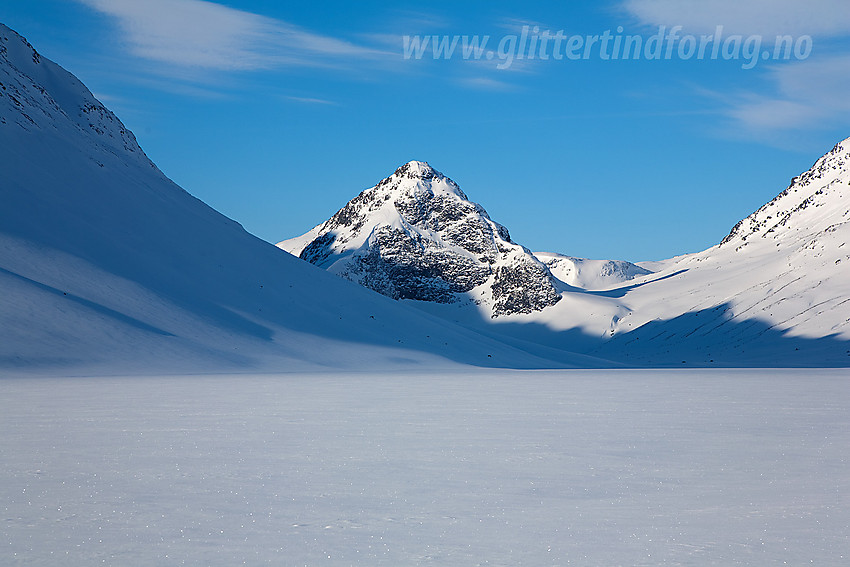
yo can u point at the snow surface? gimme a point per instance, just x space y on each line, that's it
476 468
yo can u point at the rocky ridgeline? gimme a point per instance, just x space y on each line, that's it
824 186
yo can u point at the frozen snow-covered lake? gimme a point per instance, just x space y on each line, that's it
480 468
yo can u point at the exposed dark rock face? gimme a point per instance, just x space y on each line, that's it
518 289
415 235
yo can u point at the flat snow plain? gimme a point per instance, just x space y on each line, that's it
468 468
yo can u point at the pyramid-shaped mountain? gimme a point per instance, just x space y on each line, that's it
415 235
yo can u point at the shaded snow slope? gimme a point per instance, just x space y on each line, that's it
104 261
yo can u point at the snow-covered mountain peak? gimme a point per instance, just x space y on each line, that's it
417 170
416 235
832 164
419 178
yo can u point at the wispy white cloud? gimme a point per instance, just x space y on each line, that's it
413 21
190 42
806 95
797 97
207 35
747 17
757 114
486 83
309 100
515 25
784 99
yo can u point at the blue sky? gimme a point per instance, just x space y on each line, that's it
277 113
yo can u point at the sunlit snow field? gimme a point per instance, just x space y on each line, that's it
478 468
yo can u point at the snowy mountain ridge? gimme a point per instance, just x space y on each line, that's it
815 198
779 277
38 94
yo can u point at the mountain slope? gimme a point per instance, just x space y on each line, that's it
105 263
774 292
782 271
415 235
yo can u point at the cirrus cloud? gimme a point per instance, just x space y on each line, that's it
805 95
750 17
207 35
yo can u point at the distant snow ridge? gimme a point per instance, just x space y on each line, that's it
590 274
415 235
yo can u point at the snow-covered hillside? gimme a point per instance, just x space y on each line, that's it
777 286
104 262
816 202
